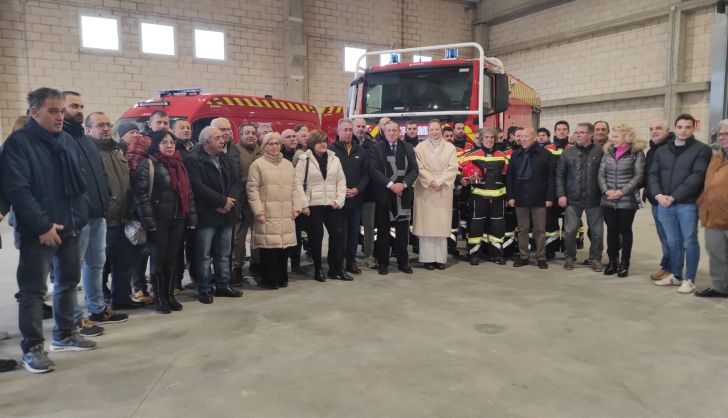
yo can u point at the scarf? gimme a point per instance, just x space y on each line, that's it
73 180
526 172
180 180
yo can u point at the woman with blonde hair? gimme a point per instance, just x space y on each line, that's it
621 176
275 202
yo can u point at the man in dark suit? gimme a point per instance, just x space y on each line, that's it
393 170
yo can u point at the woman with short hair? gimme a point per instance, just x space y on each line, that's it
275 202
322 186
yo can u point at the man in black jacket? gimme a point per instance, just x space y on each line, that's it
392 172
530 189
577 188
120 253
675 180
367 208
354 162
216 187
43 181
92 241
660 136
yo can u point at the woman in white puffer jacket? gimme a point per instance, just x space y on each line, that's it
322 185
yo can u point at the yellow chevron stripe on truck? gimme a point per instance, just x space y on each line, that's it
262 103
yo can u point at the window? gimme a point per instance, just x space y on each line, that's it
99 33
209 44
157 39
447 88
386 59
421 58
351 55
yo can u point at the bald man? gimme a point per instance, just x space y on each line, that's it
530 188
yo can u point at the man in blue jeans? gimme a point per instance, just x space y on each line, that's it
42 179
675 180
216 187
660 136
92 241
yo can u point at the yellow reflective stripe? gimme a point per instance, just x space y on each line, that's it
494 240
266 103
249 102
285 105
228 101
258 103
238 101
339 109
552 234
474 241
488 193
298 106
311 109
275 104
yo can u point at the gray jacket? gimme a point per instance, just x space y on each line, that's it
577 175
626 174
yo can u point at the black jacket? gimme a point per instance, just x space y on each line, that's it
576 175
212 187
680 176
93 170
164 203
540 187
4 203
380 171
356 170
650 156
43 182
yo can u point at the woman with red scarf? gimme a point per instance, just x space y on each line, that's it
165 205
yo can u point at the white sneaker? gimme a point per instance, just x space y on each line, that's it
686 287
669 281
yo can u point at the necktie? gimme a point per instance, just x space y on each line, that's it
394 149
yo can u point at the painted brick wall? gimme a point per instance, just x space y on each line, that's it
112 82
628 59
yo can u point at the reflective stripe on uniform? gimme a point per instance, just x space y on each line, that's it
488 193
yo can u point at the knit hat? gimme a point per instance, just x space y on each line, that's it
125 127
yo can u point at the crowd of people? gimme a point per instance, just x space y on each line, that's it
87 208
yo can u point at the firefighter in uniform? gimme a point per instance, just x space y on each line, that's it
510 246
483 171
560 143
448 134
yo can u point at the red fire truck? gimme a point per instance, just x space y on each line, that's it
200 108
475 91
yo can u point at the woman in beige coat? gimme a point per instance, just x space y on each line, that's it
437 160
322 185
275 202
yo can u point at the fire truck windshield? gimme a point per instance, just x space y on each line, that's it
446 88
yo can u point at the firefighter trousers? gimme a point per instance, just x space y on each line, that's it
486 216
553 230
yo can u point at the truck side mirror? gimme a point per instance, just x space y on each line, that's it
500 93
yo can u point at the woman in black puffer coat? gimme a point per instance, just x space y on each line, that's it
621 176
165 213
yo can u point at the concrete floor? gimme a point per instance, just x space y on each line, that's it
491 341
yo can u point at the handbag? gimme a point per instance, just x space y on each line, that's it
134 231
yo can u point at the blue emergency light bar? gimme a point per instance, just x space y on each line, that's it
186 92
394 58
451 54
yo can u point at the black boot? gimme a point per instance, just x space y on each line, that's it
170 284
611 268
318 274
623 270
161 303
